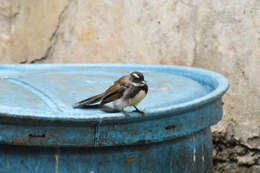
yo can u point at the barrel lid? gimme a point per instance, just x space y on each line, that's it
47 92
36 104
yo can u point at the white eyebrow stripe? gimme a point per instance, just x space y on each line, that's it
136 75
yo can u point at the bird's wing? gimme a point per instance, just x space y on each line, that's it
113 93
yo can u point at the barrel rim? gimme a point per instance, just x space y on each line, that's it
220 83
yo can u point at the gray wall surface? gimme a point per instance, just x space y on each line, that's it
221 35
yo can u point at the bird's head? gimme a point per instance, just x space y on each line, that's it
137 78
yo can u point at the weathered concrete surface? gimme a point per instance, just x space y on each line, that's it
26 28
222 36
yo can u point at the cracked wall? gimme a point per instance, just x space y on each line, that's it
26 27
223 36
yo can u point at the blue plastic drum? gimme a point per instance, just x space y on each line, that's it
40 131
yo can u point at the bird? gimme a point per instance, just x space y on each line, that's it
128 90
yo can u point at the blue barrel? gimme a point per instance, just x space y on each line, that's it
40 132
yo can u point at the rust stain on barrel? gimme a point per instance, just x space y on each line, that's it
170 127
130 158
37 135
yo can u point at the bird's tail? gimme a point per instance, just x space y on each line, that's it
89 101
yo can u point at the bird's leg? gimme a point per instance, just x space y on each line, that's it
137 110
125 113
114 110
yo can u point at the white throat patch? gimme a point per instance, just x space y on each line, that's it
137 84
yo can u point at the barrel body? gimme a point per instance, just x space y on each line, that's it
189 154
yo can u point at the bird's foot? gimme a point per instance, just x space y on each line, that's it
137 110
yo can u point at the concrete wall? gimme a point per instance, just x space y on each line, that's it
221 35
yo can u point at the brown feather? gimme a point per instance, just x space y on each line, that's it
123 81
113 93
89 101
99 96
